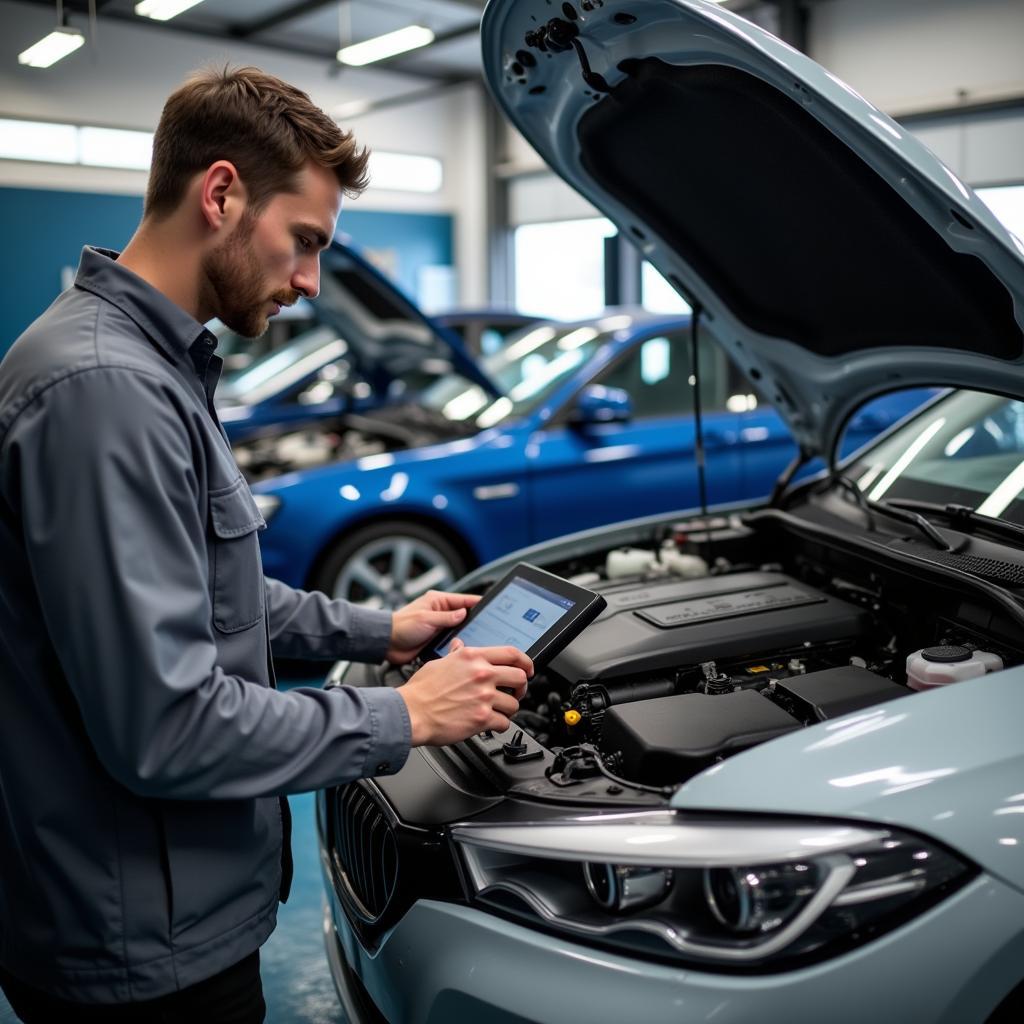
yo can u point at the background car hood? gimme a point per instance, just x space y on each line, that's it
385 334
948 764
832 253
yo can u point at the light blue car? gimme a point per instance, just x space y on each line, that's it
781 777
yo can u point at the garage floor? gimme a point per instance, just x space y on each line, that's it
296 982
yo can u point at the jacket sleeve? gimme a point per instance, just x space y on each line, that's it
311 625
110 504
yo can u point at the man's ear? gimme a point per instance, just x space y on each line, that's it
222 196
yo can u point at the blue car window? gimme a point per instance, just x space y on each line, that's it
657 374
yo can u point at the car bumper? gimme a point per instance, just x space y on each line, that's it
445 962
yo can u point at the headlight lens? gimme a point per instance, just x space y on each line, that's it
756 894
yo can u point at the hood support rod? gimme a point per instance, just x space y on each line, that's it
698 425
802 456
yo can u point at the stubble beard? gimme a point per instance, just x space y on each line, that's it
238 289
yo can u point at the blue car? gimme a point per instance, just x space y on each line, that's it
590 423
484 331
359 345
780 777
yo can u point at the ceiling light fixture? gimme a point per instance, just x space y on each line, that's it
50 49
164 10
410 38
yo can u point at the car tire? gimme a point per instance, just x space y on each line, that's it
386 565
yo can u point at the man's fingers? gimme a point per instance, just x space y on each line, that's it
511 679
453 601
506 656
456 645
505 704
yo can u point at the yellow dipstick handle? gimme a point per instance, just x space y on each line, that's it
572 717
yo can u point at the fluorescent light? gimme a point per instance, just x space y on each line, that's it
404 172
164 10
388 45
114 147
353 108
50 49
37 140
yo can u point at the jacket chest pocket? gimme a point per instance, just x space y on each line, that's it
237 569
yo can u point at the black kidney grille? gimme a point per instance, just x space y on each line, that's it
365 852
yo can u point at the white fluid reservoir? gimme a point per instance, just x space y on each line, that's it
939 666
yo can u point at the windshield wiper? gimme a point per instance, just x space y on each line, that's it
963 517
896 511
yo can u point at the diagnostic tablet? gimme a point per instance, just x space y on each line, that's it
528 608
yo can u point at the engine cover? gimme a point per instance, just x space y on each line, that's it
665 624
671 738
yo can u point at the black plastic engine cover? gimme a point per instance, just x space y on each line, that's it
666 624
838 691
666 740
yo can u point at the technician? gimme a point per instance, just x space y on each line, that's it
144 751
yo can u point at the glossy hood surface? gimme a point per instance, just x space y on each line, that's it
832 254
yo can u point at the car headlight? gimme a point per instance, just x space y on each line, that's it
758 893
268 504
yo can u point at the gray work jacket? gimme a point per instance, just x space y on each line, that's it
143 748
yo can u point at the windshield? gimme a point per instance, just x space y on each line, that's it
526 371
967 449
278 371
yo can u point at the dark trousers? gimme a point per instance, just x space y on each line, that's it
234 996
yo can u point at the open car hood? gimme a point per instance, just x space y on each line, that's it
833 255
385 330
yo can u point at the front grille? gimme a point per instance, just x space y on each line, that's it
364 852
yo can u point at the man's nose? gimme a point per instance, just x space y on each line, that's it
307 279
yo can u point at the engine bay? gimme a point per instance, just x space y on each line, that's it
704 651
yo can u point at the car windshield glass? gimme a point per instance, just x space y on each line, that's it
527 370
278 371
966 449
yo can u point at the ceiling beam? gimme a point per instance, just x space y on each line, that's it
289 13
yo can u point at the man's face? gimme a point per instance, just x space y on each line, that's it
273 257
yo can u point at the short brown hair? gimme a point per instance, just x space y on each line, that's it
267 128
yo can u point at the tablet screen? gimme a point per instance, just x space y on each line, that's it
518 615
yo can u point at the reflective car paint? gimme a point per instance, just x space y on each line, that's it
361 315
540 476
883 765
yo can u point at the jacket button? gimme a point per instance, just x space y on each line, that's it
383 766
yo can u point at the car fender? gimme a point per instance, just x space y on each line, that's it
947 763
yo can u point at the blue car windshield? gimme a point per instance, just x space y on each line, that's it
527 370
965 449
278 371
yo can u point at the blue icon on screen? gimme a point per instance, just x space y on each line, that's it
531 614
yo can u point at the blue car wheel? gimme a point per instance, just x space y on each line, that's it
386 565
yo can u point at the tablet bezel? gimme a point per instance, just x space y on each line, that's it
560 634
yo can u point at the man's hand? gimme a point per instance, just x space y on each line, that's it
413 625
457 696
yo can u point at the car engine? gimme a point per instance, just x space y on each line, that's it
703 652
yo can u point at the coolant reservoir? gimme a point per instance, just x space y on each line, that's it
628 562
937 666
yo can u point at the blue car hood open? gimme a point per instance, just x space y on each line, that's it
833 254
385 333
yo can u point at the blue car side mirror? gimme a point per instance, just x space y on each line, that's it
598 404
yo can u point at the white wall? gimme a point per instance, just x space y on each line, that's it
912 55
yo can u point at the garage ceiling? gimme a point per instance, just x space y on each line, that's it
317 28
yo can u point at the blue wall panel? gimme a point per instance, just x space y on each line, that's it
45 230
416 239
